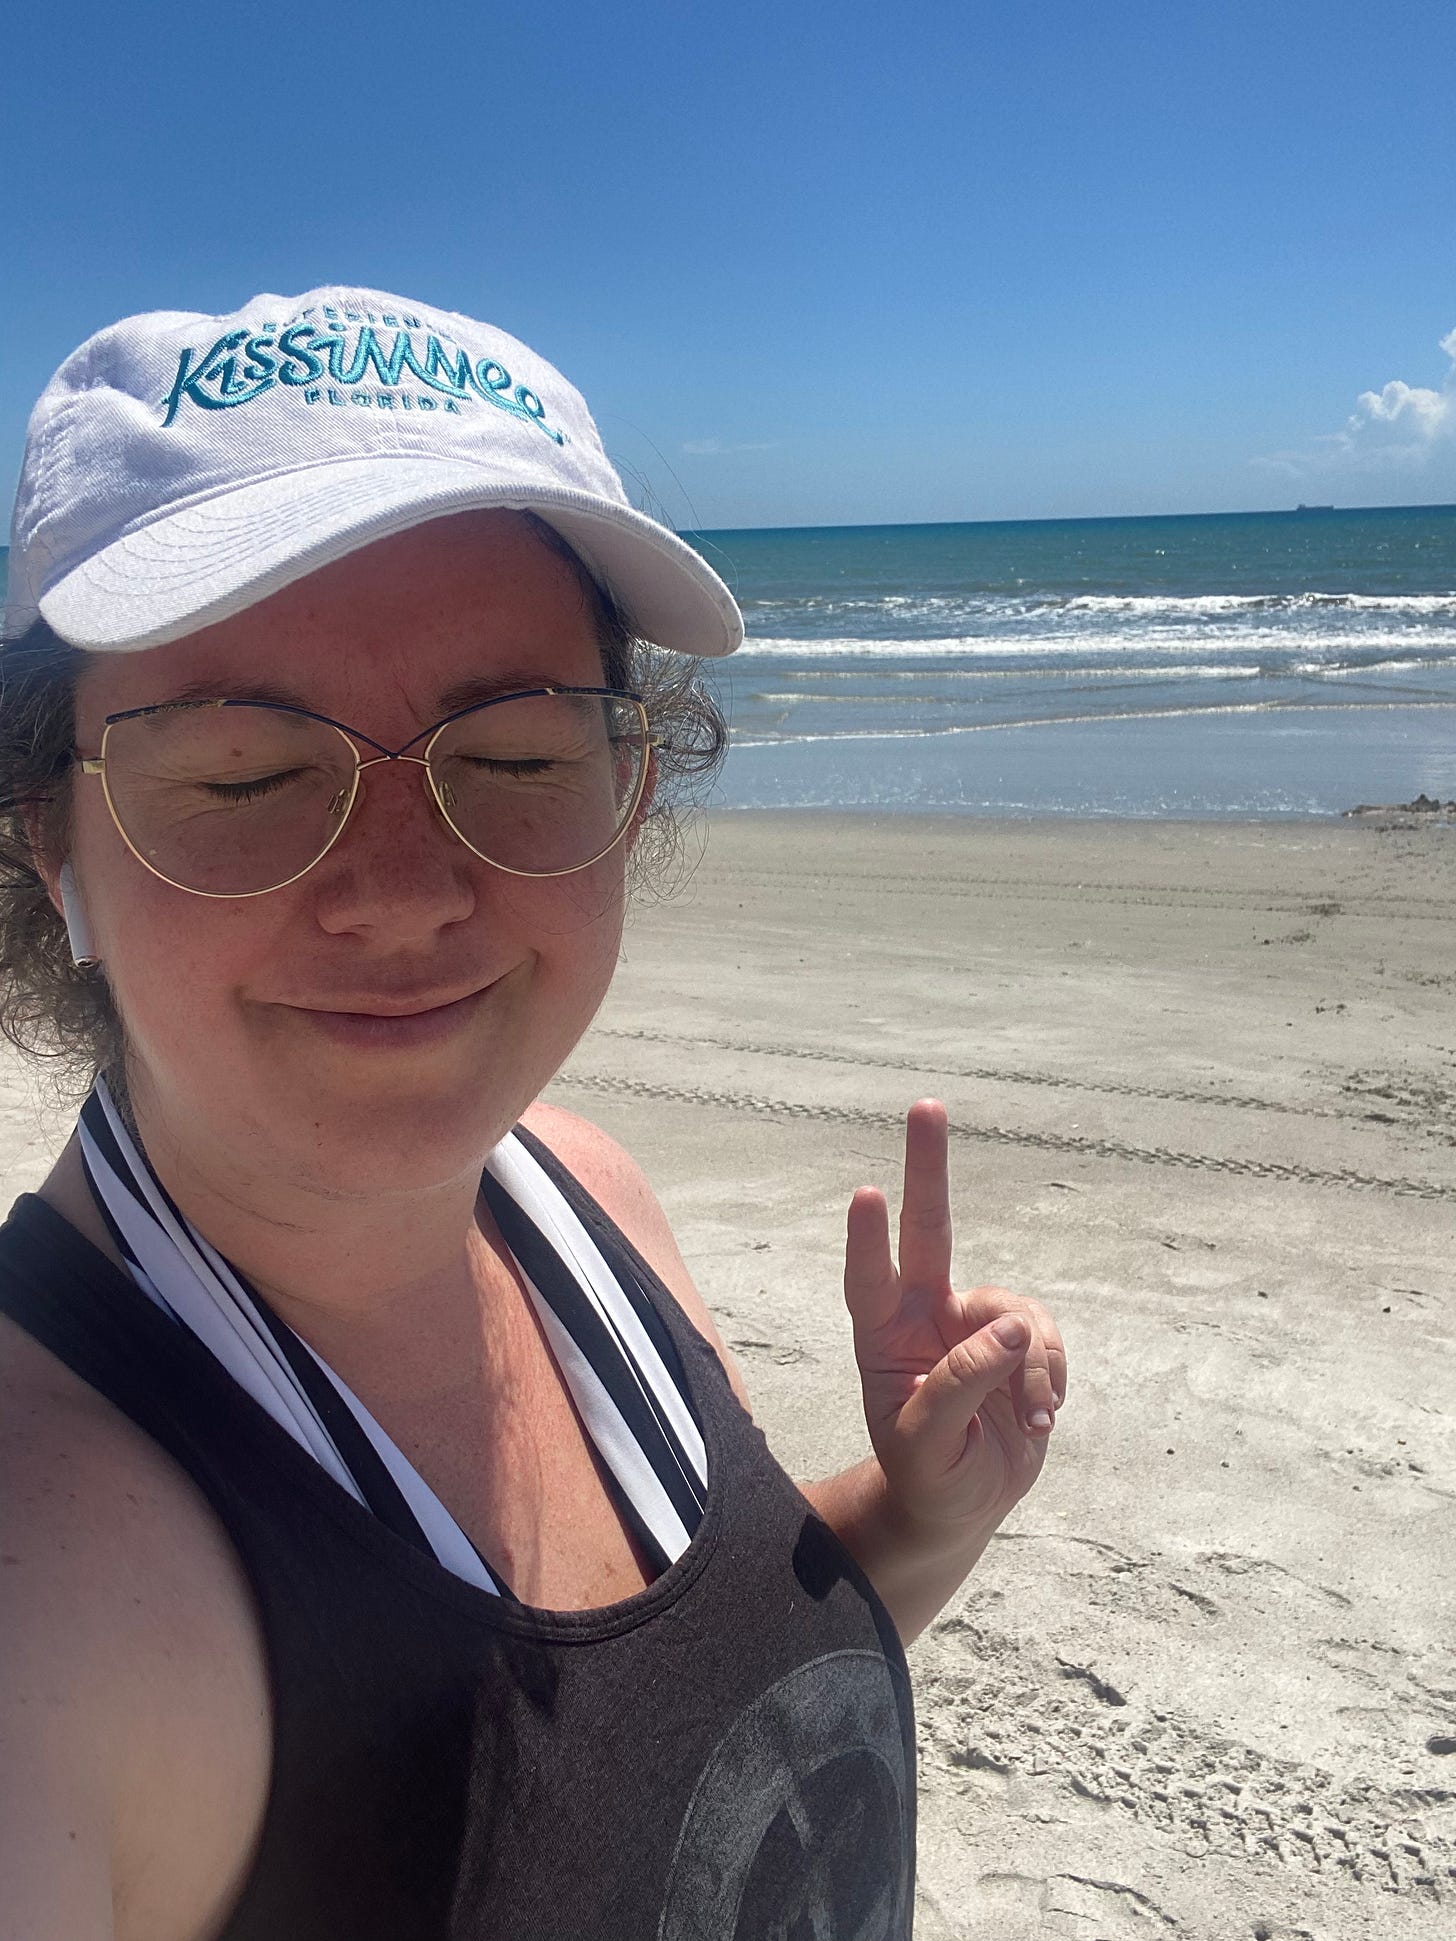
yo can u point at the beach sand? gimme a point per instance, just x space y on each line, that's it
1202 1080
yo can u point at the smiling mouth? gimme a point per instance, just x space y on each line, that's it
415 1009
407 1024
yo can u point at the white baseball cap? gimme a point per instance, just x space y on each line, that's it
179 468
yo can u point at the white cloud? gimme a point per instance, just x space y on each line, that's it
1409 414
1397 428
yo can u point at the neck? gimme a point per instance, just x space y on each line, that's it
356 1272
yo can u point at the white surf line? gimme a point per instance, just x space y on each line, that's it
1083 720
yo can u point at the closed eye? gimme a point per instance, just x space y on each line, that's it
250 791
524 765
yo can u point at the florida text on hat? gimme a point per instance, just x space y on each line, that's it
179 468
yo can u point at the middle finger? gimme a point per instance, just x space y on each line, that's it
925 1223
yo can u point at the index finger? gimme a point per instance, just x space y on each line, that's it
925 1224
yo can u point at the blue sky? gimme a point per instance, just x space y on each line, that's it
810 264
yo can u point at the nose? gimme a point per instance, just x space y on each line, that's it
398 873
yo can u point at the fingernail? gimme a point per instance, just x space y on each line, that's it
1038 1419
1011 1331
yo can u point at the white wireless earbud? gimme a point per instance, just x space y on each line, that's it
83 946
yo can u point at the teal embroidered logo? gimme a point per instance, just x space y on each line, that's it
246 364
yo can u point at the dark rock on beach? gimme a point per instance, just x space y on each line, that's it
1424 808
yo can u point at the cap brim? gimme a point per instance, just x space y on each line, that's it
212 559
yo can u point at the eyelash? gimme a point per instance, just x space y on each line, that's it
534 765
246 791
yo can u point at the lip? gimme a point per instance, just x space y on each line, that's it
399 1024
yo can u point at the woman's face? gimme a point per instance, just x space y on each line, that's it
246 1019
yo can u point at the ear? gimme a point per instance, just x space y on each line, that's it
47 867
649 790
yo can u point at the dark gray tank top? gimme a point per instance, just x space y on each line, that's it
727 1756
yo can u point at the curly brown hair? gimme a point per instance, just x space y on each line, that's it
53 1009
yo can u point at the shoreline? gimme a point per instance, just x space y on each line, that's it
1205 765
1363 815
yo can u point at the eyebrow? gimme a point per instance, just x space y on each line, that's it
220 688
465 694
461 695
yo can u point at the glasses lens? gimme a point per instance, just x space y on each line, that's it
228 800
542 783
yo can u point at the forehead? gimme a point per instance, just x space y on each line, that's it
384 633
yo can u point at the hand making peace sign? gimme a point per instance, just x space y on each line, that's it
958 1416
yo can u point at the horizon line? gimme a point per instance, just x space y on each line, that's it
1075 519
1301 510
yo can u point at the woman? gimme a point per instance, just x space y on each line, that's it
389 1548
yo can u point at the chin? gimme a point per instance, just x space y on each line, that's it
360 1113
398 1141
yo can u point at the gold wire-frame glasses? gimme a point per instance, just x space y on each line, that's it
628 712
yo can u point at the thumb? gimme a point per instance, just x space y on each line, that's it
940 1416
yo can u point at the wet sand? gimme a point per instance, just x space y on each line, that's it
1203 1085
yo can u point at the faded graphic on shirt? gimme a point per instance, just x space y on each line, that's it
800 1828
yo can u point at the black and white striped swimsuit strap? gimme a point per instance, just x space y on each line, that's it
613 1352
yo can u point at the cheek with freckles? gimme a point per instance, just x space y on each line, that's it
178 966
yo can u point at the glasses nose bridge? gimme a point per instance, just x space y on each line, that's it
396 755
373 761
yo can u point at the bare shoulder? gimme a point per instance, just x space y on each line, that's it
84 1499
615 1180
621 1188
131 1656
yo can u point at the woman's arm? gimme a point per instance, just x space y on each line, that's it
915 1571
135 1729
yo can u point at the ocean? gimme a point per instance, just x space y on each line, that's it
1284 664
1279 664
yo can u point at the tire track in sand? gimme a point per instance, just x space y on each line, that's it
995 1714
990 1074
1190 896
893 1122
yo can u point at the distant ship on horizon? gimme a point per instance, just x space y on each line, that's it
1314 508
